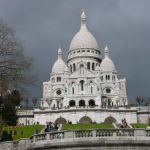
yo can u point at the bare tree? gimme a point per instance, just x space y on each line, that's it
34 101
139 100
14 65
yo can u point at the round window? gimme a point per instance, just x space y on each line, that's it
108 90
58 92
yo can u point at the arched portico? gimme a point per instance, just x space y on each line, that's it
91 103
72 103
81 103
110 119
61 120
85 120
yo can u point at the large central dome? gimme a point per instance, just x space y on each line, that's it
83 38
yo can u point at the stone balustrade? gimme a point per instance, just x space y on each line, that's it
129 138
92 133
24 112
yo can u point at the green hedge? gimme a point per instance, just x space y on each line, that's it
139 125
86 126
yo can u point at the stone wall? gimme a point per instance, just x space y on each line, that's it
21 144
74 115
132 115
25 117
102 143
143 117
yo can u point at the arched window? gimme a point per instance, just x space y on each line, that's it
114 77
81 103
91 90
91 102
74 67
53 79
102 78
82 85
108 77
93 66
58 104
109 102
70 68
73 90
88 65
72 103
58 79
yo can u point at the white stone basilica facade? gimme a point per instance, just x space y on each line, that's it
85 88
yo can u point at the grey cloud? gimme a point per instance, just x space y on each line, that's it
44 25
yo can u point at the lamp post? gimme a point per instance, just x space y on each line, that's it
1 102
26 110
148 114
1 109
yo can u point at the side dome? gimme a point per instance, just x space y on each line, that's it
83 38
59 66
107 64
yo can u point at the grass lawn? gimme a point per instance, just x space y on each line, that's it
139 125
23 131
86 126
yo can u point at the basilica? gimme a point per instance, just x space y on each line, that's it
85 88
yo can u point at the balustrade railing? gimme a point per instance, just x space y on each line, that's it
91 133
84 133
56 135
148 132
125 132
39 137
104 132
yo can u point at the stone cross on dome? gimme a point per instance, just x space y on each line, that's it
106 51
59 53
83 19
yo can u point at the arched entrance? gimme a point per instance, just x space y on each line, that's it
72 103
81 103
110 119
91 103
85 120
60 121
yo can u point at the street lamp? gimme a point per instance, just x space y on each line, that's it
1 108
148 114
27 101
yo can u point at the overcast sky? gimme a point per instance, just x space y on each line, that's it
45 25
